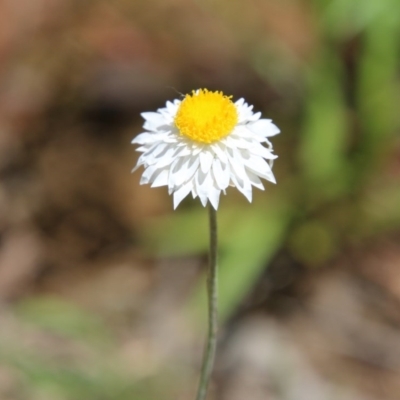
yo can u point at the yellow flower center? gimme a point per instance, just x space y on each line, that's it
206 116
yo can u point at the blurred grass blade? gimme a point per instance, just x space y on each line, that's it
378 89
256 236
324 134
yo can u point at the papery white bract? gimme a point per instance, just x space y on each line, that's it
203 144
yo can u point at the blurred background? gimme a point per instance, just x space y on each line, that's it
102 284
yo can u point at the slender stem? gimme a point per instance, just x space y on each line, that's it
212 281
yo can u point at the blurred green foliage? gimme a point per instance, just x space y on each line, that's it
62 352
348 129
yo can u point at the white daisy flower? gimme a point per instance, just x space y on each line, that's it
203 144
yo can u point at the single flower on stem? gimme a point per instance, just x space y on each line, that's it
201 145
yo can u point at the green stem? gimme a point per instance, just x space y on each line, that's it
212 282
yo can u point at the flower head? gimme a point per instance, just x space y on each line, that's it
203 144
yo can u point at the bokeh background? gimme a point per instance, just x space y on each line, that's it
102 284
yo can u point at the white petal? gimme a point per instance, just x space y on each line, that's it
263 152
151 116
155 152
248 193
175 173
263 127
168 118
213 196
161 179
183 175
255 116
138 165
192 167
219 151
159 149
200 179
255 180
142 161
181 193
148 137
197 149
154 121
243 132
206 159
172 108
203 198
260 167
147 174
244 112
239 102
183 151
221 176
243 185
203 183
269 144
236 141
237 163
166 158
227 174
